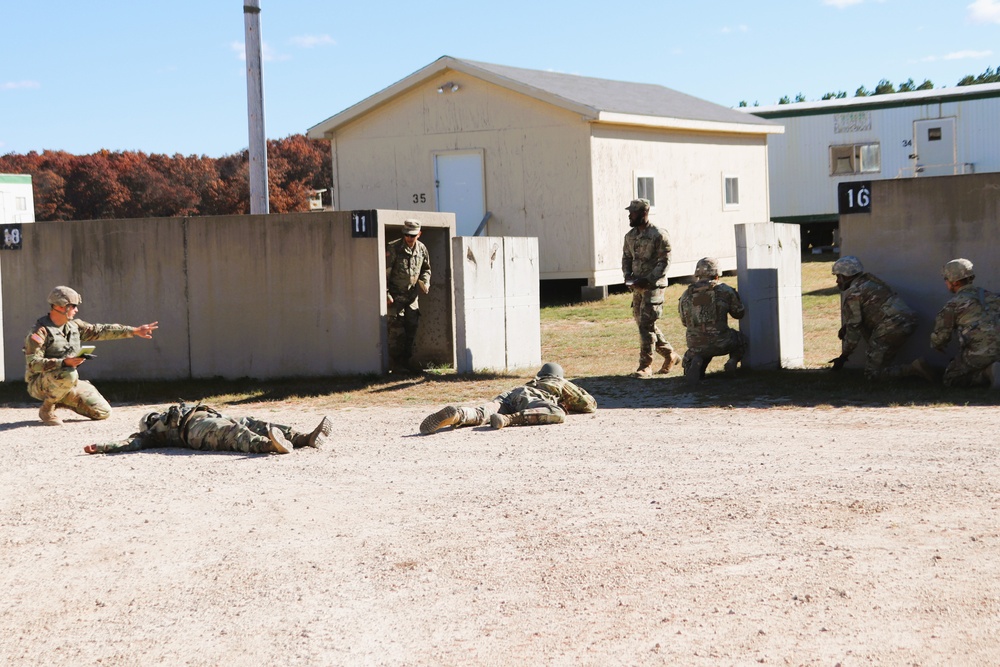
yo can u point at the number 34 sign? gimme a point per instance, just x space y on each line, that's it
10 237
854 197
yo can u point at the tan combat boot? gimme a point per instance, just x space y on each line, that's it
47 413
692 374
644 371
278 442
670 359
730 367
499 421
317 438
919 367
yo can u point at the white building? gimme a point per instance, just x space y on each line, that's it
518 152
938 132
16 202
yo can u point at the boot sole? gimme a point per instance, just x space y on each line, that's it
437 421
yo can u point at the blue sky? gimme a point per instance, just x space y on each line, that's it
169 77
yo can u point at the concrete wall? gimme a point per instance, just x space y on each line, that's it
551 175
236 296
497 300
914 228
770 278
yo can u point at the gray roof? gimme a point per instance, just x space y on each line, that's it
586 95
642 99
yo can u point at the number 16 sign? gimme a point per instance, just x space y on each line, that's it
854 197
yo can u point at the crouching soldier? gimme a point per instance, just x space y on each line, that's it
197 426
705 308
544 400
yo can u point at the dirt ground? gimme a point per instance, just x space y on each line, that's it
651 536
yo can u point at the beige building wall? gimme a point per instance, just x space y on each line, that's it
536 163
236 296
689 172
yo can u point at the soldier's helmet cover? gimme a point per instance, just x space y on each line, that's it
147 420
550 369
958 269
64 296
411 227
638 205
707 267
847 266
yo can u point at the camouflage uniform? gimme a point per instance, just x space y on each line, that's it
48 379
975 314
544 400
871 311
646 254
704 309
196 426
404 268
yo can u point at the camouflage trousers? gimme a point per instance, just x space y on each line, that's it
883 345
64 387
402 331
515 401
647 306
209 433
732 342
968 370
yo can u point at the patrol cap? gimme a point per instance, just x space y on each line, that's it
847 266
957 269
411 227
63 296
707 267
638 205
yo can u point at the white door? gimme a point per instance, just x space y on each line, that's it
934 144
458 180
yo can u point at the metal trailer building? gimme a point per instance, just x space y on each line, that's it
947 131
17 204
518 152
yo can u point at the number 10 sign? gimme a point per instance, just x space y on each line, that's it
854 197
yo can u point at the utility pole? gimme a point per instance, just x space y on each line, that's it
255 108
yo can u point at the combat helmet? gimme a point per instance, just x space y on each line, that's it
707 267
147 420
64 296
550 369
957 269
847 266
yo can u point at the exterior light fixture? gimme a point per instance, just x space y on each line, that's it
449 87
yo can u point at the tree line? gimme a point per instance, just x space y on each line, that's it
884 87
129 184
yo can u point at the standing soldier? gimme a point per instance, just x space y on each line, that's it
407 275
52 355
871 311
975 314
544 400
705 308
199 426
645 258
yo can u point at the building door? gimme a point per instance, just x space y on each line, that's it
458 181
934 144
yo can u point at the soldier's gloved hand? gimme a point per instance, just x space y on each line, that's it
641 283
388 299
841 333
838 363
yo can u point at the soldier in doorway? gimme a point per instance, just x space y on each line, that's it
645 258
408 275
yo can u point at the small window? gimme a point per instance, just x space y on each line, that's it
934 134
855 159
21 203
644 189
731 185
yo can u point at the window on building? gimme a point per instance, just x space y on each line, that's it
644 188
934 134
855 159
21 203
731 196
